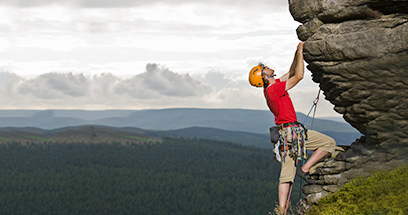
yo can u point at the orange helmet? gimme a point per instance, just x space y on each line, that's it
255 76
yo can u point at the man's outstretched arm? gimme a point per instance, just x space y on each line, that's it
297 68
291 72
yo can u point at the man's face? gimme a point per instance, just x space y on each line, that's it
268 72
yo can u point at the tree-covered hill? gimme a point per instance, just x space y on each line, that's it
77 134
176 176
240 137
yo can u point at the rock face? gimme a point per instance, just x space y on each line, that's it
357 50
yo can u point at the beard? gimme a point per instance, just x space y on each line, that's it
265 82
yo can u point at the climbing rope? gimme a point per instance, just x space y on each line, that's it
314 107
287 202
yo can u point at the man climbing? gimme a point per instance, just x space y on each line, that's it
290 131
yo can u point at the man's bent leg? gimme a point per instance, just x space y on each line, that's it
321 144
316 156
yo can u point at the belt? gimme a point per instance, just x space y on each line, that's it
284 125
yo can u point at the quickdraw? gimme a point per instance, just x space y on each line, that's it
285 135
301 137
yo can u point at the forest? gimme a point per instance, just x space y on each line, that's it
177 176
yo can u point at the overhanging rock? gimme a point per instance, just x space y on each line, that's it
357 50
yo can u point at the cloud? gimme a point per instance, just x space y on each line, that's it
216 78
135 3
157 87
8 85
157 83
160 81
56 86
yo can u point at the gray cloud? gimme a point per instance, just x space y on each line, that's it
8 85
216 78
134 3
160 81
157 87
155 84
56 86
25 3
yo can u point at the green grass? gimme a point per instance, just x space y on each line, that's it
382 193
4 139
137 138
37 138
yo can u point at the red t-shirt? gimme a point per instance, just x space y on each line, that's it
279 102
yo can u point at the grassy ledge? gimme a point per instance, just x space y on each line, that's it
382 193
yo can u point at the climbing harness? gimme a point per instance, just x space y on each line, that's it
295 143
292 137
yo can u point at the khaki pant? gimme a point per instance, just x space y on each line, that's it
316 140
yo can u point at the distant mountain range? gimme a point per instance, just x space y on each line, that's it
255 121
248 127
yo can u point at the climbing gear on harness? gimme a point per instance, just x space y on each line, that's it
276 153
296 142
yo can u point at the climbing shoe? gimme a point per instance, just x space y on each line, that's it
305 176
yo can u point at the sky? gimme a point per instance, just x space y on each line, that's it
134 54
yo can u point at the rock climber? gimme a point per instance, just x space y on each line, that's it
280 104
